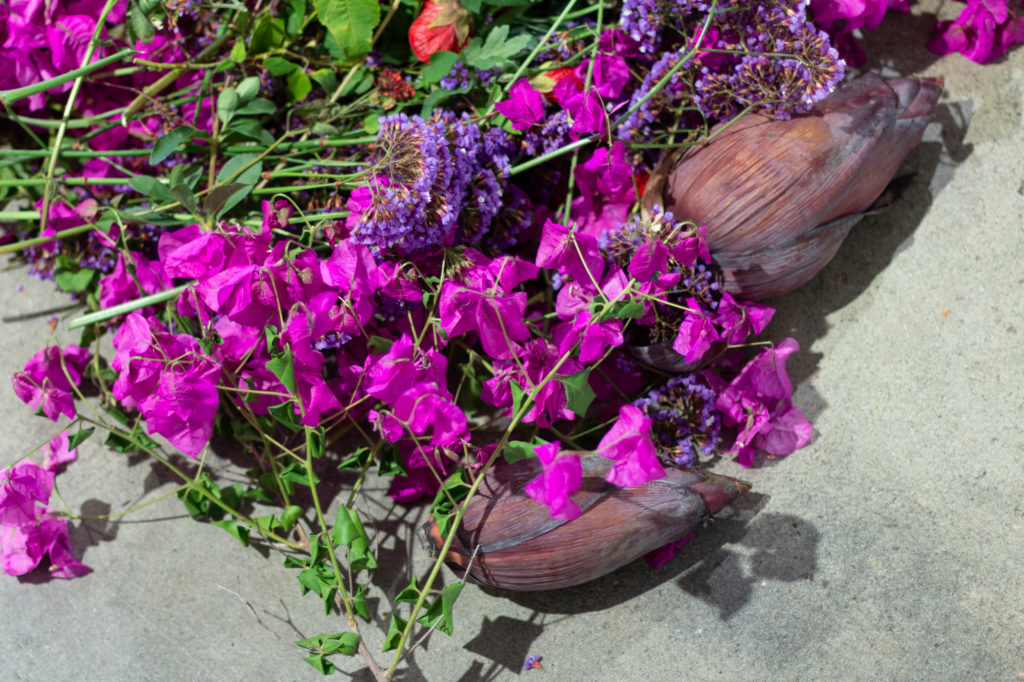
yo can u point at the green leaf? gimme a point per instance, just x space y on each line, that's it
320 662
237 163
141 26
316 441
409 594
621 310
440 612
498 48
359 603
217 200
371 123
349 532
166 144
268 35
294 16
395 629
253 129
79 437
227 103
284 414
69 276
232 527
290 515
283 367
327 81
518 396
247 89
256 107
517 450
151 187
436 97
578 393
351 22
298 85
296 473
183 194
440 65
279 66
238 51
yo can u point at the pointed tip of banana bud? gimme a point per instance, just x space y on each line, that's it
718 492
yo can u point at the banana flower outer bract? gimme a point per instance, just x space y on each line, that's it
510 541
779 197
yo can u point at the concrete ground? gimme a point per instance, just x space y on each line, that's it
892 547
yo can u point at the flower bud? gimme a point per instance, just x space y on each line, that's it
509 540
779 197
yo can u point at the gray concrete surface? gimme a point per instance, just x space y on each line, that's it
890 548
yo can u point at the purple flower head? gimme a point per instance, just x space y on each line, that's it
628 443
524 107
609 77
314 395
536 360
561 477
697 332
685 421
120 286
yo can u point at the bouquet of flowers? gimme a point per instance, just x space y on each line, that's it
500 251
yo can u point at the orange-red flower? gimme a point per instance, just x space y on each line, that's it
442 25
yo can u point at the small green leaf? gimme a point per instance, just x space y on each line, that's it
256 107
279 66
359 603
247 89
284 414
294 16
517 450
290 515
298 85
238 51
283 367
151 187
320 662
79 437
217 200
410 594
578 393
351 22
232 527
252 172
371 123
69 276
140 25
395 629
440 65
183 194
268 35
166 144
518 396
621 310
497 49
227 103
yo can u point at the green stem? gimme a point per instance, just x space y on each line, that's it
69 106
12 96
127 307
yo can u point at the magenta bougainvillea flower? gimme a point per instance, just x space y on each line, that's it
58 452
570 252
629 444
758 403
983 32
561 478
121 286
536 360
49 378
29 531
480 301
524 107
169 379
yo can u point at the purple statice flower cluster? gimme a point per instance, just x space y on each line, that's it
463 77
767 56
686 424
434 182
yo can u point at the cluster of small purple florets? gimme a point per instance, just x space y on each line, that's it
463 77
433 181
685 422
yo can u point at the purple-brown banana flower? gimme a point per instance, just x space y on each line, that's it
509 540
779 197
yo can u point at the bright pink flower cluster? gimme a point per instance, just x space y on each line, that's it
49 379
983 32
29 530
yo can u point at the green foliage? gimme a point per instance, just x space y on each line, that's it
496 50
351 23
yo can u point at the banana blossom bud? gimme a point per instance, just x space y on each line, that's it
509 540
779 197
